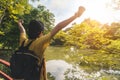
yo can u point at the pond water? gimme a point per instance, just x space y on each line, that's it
62 70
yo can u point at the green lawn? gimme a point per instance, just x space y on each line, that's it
54 52
91 58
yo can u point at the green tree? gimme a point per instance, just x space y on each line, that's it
88 34
114 47
42 14
60 38
112 31
9 11
9 24
10 8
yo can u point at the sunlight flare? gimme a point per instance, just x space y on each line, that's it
100 10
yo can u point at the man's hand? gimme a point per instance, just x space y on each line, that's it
21 28
64 23
80 11
20 22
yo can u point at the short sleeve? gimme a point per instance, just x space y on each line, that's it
45 39
22 37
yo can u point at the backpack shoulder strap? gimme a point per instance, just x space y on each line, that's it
22 43
27 46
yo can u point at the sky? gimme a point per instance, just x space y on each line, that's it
99 10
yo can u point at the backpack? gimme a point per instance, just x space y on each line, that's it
24 64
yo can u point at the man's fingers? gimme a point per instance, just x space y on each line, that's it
20 21
81 9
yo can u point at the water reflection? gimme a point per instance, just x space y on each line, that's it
57 68
62 70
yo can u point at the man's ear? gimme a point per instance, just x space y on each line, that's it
40 34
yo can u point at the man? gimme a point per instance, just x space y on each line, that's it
40 43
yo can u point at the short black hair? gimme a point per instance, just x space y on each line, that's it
35 28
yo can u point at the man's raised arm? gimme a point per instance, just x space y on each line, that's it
64 23
21 28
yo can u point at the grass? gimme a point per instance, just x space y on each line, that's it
56 53
91 58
